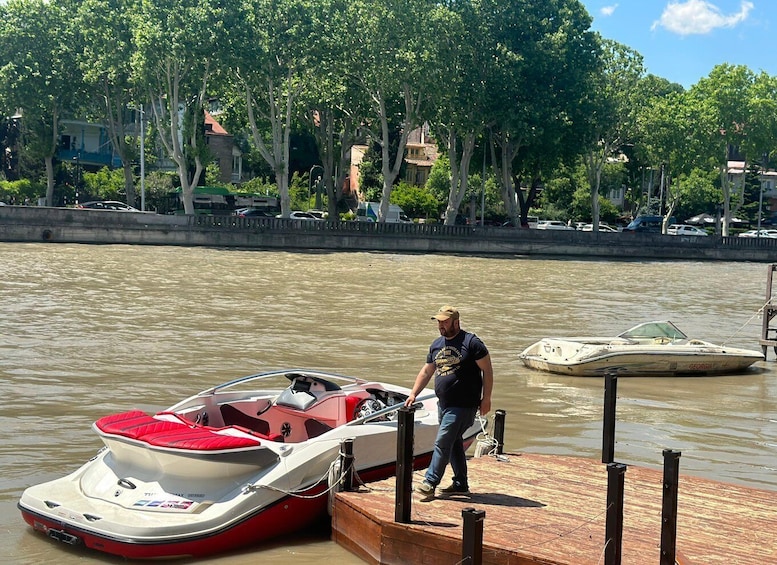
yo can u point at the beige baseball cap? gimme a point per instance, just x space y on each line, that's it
445 313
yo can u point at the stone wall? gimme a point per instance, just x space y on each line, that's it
71 225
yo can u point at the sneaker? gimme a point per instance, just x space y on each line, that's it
425 489
455 488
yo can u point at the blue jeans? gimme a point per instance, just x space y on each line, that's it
449 445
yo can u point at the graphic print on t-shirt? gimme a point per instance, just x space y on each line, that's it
447 361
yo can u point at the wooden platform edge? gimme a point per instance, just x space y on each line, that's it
551 510
379 542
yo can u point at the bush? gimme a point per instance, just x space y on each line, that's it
22 191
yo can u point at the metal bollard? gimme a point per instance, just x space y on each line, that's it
608 433
613 537
669 507
472 536
499 430
403 495
346 464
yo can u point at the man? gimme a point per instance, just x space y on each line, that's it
463 379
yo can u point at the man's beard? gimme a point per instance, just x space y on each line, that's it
449 332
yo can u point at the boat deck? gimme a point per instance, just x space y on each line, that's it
544 509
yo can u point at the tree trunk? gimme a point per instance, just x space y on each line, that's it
503 169
459 174
49 160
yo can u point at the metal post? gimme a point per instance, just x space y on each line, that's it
403 498
142 161
346 464
499 430
669 507
613 538
608 435
472 536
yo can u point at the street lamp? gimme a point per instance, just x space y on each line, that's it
77 161
142 161
310 181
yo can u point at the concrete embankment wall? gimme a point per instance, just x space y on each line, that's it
70 225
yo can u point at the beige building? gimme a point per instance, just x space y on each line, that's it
420 154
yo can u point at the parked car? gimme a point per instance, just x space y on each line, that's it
107 205
553 225
299 215
602 228
759 233
683 229
320 214
254 213
647 224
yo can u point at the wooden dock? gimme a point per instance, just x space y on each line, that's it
551 510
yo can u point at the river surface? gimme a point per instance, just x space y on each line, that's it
90 330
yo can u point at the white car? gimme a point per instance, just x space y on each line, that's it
602 228
553 225
107 205
759 233
299 215
682 229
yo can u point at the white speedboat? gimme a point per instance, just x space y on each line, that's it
648 349
231 466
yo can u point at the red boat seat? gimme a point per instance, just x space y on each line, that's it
173 431
199 439
133 424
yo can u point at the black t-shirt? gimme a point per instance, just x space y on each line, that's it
458 380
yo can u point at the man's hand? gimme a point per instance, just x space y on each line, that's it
485 406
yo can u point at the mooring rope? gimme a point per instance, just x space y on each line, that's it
750 319
296 493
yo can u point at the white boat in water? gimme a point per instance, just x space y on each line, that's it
234 465
649 349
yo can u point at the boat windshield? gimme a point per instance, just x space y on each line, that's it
652 330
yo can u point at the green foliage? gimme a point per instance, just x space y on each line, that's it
416 201
559 191
370 176
298 192
260 186
22 191
158 186
581 208
105 184
700 193
555 90
213 176
439 181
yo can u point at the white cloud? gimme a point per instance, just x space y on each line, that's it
608 10
699 17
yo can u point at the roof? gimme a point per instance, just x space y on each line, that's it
212 127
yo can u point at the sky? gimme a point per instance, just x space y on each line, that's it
683 40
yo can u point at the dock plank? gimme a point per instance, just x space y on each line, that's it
551 510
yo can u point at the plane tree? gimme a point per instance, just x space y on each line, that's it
665 129
105 26
611 106
334 107
542 58
737 111
456 109
275 57
39 74
391 58
177 45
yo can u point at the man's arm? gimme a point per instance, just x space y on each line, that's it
488 383
423 378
